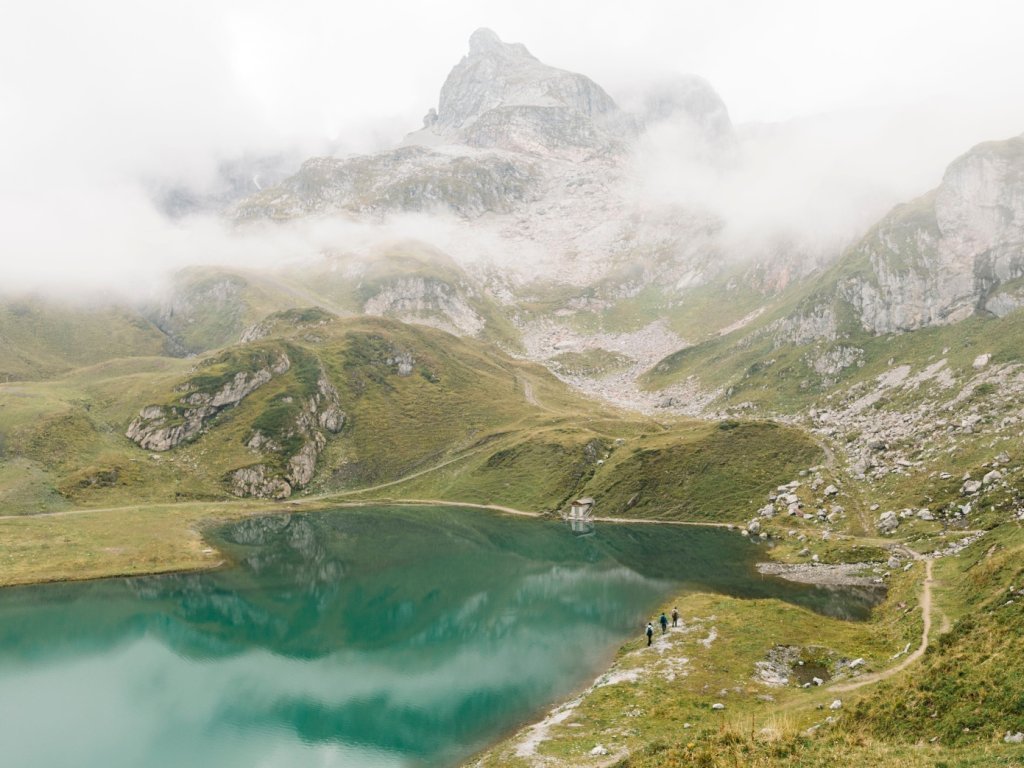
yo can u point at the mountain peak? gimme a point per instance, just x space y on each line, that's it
486 42
500 95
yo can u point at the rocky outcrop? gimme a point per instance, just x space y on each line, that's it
260 482
692 100
404 179
953 252
316 414
426 301
161 428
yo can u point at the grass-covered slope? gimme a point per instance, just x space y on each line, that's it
208 307
40 338
410 395
425 413
970 686
771 366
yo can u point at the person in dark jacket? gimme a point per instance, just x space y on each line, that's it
664 623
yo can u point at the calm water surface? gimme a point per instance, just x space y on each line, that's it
364 638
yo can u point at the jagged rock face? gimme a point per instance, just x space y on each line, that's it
817 323
150 430
949 254
536 130
320 411
425 301
161 428
259 482
534 102
535 160
404 179
693 99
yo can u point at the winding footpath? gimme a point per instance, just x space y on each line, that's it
926 609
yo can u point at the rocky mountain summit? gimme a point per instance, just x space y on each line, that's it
525 153
501 96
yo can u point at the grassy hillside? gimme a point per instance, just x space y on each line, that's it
759 365
968 690
40 338
209 307
68 434
414 398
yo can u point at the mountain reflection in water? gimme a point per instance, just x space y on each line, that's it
375 636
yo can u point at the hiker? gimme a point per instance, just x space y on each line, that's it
664 623
675 617
650 634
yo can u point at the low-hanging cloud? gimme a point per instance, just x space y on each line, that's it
819 181
102 102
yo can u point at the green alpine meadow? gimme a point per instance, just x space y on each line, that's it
630 419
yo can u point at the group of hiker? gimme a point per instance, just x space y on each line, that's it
663 620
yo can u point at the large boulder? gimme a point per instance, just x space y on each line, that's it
888 522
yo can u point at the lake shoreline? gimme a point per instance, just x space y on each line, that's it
186 561
637 559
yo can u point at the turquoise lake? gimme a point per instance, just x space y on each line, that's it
361 637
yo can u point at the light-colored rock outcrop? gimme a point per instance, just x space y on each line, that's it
260 482
950 253
428 302
318 413
500 95
161 428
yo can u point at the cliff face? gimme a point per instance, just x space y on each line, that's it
499 95
539 156
405 179
953 252
500 110
161 428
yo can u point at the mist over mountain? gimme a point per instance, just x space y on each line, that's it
139 192
758 266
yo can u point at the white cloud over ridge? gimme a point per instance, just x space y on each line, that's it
98 100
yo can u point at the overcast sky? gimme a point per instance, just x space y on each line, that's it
95 96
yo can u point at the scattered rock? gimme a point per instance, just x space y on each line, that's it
599 750
837 704
848 574
970 487
888 522
718 706
992 477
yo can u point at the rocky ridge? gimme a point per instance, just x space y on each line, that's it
319 413
163 427
532 154
954 252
